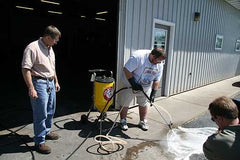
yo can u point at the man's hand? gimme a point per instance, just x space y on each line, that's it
32 93
135 86
57 87
152 95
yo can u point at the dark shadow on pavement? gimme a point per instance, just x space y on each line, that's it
236 84
13 143
236 100
14 116
90 129
92 126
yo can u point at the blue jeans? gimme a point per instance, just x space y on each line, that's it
43 108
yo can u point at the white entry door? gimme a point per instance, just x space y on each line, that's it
161 39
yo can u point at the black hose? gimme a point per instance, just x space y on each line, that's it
80 145
20 137
101 115
114 93
170 123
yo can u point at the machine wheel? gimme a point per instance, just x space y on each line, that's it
103 116
84 118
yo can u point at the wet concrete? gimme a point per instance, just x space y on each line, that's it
188 109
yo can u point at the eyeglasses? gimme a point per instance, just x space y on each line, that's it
212 119
56 39
158 60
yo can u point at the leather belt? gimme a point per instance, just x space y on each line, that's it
44 78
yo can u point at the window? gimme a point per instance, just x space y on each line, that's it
160 38
219 42
237 49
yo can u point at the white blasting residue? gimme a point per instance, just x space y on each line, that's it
184 142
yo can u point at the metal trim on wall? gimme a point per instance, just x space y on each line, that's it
170 50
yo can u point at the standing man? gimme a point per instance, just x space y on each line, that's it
225 144
39 73
142 72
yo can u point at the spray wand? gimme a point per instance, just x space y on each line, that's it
151 104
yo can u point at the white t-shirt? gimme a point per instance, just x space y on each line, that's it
142 69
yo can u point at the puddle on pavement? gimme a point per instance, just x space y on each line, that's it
186 143
179 144
132 153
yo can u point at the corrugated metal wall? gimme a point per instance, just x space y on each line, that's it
195 62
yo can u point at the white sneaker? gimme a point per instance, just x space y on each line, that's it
123 124
143 125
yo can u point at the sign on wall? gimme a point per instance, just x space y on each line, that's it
219 42
237 45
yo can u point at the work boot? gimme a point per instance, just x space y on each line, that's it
43 148
123 124
52 136
143 125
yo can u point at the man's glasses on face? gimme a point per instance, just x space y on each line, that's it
56 39
212 119
158 60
